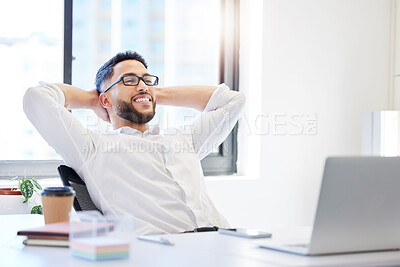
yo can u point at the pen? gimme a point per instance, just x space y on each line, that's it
160 240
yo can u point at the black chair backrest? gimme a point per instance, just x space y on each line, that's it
82 199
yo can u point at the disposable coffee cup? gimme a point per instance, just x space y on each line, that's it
57 203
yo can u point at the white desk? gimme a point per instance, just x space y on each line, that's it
197 249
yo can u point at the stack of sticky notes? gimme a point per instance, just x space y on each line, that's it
99 248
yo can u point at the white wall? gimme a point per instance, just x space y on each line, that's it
330 58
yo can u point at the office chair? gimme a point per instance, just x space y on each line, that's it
82 199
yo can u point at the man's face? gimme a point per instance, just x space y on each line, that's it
133 103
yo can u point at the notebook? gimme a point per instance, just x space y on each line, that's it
358 208
61 231
57 234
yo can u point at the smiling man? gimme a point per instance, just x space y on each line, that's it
150 173
127 107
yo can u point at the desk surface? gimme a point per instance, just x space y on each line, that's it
196 249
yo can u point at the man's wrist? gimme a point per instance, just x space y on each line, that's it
159 95
94 98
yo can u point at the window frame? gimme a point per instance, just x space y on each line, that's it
225 161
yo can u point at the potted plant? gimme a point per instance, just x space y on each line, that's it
23 198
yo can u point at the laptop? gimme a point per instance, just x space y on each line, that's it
358 208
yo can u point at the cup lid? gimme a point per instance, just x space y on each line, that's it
65 191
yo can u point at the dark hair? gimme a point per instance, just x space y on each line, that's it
106 71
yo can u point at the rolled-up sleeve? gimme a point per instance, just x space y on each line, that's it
217 120
44 107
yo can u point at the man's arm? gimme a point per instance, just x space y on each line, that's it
44 107
221 109
194 96
76 98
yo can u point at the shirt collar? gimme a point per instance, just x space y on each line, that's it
153 130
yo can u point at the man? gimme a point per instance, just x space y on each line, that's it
154 175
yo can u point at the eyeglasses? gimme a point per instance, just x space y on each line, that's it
133 80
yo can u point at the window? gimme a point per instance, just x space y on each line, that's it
31 49
184 42
180 45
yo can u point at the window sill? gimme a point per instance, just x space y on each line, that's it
44 182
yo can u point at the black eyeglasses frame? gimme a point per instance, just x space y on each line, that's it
139 78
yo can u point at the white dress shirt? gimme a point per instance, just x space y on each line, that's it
155 176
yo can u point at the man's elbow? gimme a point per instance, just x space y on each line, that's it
29 99
241 98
